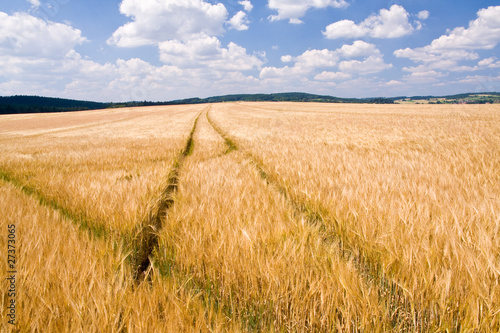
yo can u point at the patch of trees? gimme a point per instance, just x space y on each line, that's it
38 104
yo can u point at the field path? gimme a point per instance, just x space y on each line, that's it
148 236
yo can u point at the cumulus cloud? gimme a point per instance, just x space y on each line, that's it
317 58
37 57
311 62
155 21
445 52
207 52
358 49
332 76
293 10
239 21
423 15
24 35
372 64
247 5
491 62
389 23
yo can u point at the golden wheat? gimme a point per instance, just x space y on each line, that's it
415 189
270 217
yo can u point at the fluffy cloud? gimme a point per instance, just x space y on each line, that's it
358 49
24 35
158 21
445 52
308 63
37 57
390 23
293 10
247 5
372 64
423 15
332 76
489 63
206 52
483 33
239 21
317 59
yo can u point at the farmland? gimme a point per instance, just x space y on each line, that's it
254 216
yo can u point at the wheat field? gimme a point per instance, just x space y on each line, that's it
260 217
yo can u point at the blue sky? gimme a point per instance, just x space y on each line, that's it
123 50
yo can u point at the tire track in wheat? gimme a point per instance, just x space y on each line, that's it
403 314
147 239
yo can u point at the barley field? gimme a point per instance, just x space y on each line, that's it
253 217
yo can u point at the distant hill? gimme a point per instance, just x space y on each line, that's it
279 97
38 104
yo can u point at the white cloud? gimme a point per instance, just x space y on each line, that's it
311 61
283 72
239 21
483 33
423 15
206 52
292 10
317 59
24 35
345 29
35 3
390 23
158 21
37 57
483 83
295 21
393 83
372 64
445 52
489 62
332 76
358 49
247 5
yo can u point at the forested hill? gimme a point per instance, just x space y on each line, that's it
280 97
38 104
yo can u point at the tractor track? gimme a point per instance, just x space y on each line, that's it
403 314
96 229
147 239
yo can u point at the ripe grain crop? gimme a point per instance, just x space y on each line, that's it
68 281
108 173
255 217
251 256
412 192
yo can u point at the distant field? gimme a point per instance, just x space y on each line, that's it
254 216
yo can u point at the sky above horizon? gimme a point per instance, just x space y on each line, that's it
159 50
